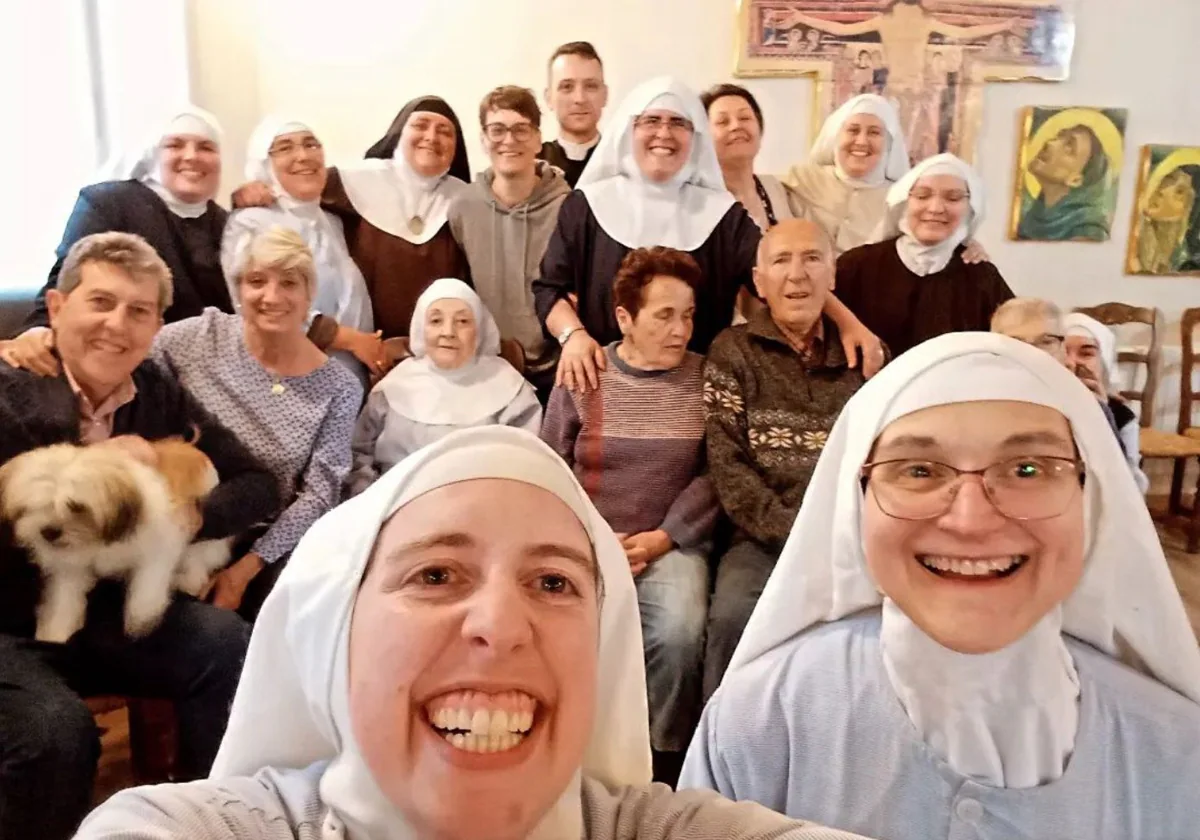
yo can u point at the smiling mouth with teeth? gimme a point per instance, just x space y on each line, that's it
982 568
476 722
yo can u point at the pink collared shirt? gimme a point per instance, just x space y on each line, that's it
96 422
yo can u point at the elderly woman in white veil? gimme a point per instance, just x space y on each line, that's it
430 666
972 629
163 190
454 378
654 180
914 281
288 156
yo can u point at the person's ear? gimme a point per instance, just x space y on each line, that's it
758 286
603 96
54 303
1075 181
624 320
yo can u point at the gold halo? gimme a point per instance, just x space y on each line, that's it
1104 128
1175 160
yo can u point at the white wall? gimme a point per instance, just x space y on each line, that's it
349 65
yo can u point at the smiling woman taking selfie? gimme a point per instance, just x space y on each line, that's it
972 630
915 284
432 667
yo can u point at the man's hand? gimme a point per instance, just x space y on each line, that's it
253 194
974 254
643 549
228 586
581 360
1094 385
32 350
872 349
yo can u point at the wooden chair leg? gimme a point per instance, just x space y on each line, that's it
1193 528
152 739
1175 500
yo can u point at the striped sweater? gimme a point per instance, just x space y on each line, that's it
636 445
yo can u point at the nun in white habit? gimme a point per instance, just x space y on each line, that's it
1091 349
856 158
654 180
430 666
993 648
454 378
914 283
287 155
164 192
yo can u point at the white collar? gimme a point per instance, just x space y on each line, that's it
390 195
577 151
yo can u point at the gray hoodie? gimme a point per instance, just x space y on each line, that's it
504 247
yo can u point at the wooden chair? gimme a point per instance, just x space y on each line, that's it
510 350
1185 445
1181 445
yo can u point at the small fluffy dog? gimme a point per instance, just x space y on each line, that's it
100 511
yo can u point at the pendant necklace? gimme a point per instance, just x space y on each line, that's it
417 225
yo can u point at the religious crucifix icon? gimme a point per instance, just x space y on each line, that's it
931 58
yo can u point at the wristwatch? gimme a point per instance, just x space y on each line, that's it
566 334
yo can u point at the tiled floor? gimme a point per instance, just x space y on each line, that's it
116 771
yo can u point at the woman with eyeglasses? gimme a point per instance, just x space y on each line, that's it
654 180
395 205
913 283
972 631
287 155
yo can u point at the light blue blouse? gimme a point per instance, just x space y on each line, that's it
815 729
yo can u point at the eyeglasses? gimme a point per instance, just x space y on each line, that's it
498 131
653 122
1027 488
287 147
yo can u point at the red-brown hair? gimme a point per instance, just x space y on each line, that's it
511 98
642 265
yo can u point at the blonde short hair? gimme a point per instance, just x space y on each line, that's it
127 251
282 249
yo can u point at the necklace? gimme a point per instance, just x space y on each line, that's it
417 225
277 386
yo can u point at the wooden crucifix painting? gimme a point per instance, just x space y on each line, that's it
931 58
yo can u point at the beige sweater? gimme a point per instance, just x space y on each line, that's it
285 805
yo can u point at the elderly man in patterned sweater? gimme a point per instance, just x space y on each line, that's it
773 388
636 444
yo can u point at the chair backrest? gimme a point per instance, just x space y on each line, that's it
1187 392
1115 314
510 350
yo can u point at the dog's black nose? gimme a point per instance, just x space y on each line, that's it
51 534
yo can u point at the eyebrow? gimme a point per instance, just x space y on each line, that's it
457 539
1018 439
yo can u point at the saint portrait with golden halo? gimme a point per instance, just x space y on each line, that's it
1067 174
1165 234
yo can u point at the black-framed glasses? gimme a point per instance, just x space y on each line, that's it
288 147
653 122
1028 487
498 131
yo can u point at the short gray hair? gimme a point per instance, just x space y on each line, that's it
1021 309
127 251
281 249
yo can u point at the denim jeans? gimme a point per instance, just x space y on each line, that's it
673 601
741 576
49 745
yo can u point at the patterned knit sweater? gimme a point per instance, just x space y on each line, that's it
636 445
769 414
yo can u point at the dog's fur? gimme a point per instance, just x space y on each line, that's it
91 512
